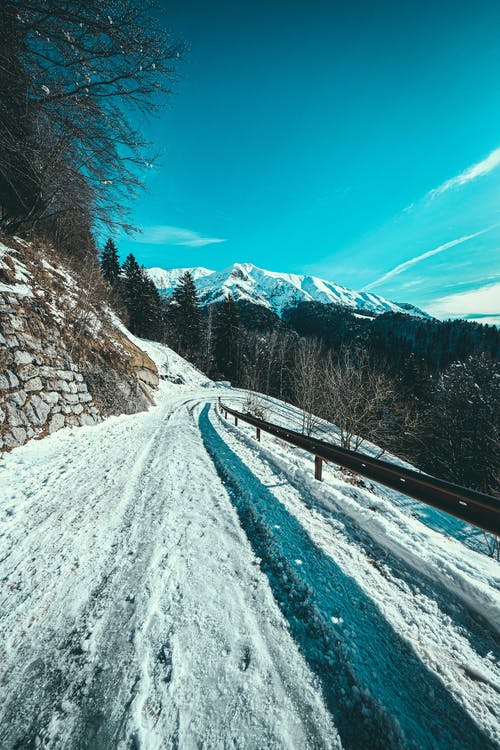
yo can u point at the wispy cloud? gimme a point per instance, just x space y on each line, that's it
163 234
480 304
418 258
491 162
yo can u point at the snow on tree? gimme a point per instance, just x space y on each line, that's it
70 81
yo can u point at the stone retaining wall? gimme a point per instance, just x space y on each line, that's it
50 376
41 389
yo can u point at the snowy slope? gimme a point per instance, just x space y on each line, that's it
273 290
168 582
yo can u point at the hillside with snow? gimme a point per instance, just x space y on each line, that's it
168 581
273 290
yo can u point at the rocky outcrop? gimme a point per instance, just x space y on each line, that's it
56 369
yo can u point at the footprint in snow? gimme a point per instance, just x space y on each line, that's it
245 659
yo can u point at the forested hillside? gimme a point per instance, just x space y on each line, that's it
425 389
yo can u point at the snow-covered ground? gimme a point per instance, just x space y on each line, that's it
168 582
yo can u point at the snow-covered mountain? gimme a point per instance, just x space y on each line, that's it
273 290
167 279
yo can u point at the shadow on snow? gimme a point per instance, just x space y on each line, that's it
378 691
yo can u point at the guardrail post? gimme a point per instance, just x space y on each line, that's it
258 433
236 421
318 468
225 414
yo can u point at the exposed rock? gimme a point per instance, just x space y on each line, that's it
56 423
60 385
64 374
23 358
13 380
27 372
15 417
35 384
17 397
17 323
37 410
17 436
51 397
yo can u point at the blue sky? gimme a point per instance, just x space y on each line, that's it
349 140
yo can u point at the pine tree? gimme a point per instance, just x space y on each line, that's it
185 316
110 265
144 305
227 340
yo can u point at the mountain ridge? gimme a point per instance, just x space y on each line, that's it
275 290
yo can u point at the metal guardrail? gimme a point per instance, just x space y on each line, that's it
474 507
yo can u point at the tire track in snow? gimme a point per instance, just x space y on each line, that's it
382 697
423 602
231 680
172 638
63 691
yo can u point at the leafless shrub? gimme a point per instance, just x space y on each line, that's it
255 406
307 386
358 398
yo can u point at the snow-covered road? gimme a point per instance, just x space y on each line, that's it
133 612
166 582
387 630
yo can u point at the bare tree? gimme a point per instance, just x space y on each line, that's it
307 386
255 405
71 72
358 398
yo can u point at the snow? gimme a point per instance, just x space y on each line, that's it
167 581
415 576
167 279
128 586
21 274
271 289
22 290
287 415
